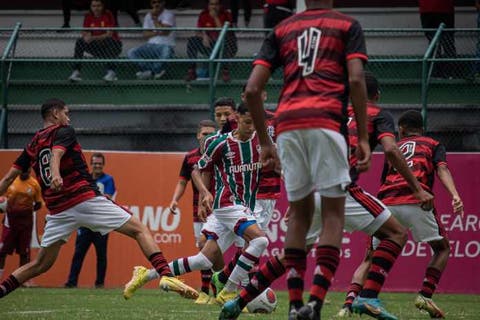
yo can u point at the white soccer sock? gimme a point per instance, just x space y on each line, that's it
245 263
152 274
185 265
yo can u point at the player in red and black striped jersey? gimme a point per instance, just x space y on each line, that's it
322 53
205 128
425 157
392 234
73 199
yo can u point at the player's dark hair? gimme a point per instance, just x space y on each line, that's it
206 124
411 120
372 85
242 108
98 155
224 101
51 104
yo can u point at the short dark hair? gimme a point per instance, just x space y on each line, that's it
224 101
51 104
98 155
242 108
206 124
411 119
372 84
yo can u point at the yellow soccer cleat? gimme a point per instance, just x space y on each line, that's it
203 298
139 278
428 305
225 296
176 285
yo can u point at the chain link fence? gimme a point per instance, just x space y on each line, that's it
160 110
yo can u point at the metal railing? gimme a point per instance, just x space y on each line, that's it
402 59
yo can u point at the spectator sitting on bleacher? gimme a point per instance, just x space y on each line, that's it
160 44
214 16
99 43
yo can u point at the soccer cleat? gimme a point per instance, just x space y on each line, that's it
139 278
159 75
75 76
308 312
373 307
176 285
203 298
230 310
225 296
292 314
110 76
216 283
345 312
428 305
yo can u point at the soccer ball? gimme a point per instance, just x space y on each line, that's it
266 302
3 204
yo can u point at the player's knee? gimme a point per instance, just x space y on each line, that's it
258 245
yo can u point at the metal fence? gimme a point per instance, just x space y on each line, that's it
39 62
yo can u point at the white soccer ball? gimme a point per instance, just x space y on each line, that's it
3 204
266 302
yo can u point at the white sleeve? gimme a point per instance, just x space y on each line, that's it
168 18
148 22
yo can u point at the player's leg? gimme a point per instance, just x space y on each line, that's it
8 246
257 243
356 284
82 243
100 242
205 275
269 271
42 262
329 169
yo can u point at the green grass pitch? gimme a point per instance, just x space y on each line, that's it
104 304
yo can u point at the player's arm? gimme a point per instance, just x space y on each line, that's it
358 96
202 182
8 179
21 164
56 181
439 160
397 160
177 195
447 180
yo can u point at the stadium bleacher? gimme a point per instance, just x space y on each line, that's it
145 115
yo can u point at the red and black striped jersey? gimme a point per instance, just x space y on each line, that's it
78 185
189 162
380 123
423 155
313 48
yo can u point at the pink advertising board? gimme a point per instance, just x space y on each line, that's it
461 274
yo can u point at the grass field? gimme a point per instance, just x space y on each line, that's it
39 303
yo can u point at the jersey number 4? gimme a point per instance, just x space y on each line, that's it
308 44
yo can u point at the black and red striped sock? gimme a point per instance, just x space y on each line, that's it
8 285
352 293
206 277
328 258
227 270
382 261
295 266
432 277
160 264
268 272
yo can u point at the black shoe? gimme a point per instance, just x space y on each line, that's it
308 312
65 28
69 285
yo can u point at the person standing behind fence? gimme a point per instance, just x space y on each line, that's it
215 16
432 14
23 196
247 11
85 236
277 10
99 43
160 45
